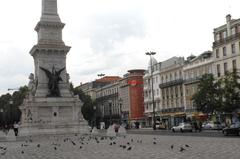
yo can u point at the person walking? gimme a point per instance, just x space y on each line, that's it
15 128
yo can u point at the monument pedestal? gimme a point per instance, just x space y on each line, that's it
56 115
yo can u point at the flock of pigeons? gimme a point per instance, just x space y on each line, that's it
81 141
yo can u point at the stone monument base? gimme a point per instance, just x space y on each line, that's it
55 115
31 130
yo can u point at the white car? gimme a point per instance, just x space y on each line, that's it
212 125
182 127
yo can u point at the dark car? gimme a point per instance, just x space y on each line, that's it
233 129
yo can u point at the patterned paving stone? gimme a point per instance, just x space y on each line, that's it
131 147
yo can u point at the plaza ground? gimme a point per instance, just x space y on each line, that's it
134 146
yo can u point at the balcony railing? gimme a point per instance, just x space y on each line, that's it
192 80
226 40
171 83
173 110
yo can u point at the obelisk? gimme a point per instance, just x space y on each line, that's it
50 106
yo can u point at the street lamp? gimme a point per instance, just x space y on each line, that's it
94 109
110 111
151 76
120 109
11 116
101 100
2 118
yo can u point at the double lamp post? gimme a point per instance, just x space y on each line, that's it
152 90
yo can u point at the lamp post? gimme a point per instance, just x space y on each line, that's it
2 118
102 109
11 116
151 76
94 109
110 111
120 110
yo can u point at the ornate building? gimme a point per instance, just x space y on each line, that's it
171 85
193 70
226 47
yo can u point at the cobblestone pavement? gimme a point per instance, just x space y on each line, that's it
130 147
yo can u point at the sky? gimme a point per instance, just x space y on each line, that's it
109 36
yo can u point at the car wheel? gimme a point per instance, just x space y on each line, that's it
173 130
181 130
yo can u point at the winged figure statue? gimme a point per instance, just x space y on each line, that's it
53 81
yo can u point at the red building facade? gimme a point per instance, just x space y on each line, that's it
132 95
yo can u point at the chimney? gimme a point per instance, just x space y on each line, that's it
228 20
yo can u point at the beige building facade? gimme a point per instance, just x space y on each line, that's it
193 70
226 47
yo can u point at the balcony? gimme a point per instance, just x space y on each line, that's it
171 83
226 40
192 80
173 110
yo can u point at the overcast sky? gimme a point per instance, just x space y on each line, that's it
109 36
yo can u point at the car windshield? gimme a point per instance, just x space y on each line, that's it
235 125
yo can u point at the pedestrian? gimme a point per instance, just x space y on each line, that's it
200 126
15 128
195 126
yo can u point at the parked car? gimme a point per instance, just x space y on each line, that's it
233 129
182 127
212 125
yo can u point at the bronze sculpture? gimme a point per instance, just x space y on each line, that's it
53 81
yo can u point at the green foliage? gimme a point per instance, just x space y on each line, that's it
208 97
231 94
87 108
10 111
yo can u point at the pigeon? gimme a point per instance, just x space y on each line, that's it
114 143
80 147
38 145
129 148
182 149
73 143
172 146
128 143
124 146
5 148
154 143
22 152
55 148
187 145
4 153
110 144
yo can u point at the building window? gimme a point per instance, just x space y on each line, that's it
233 48
217 53
224 51
233 31
225 68
218 70
234 64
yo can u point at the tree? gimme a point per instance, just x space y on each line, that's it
231 94
87 108
10 111
208 97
